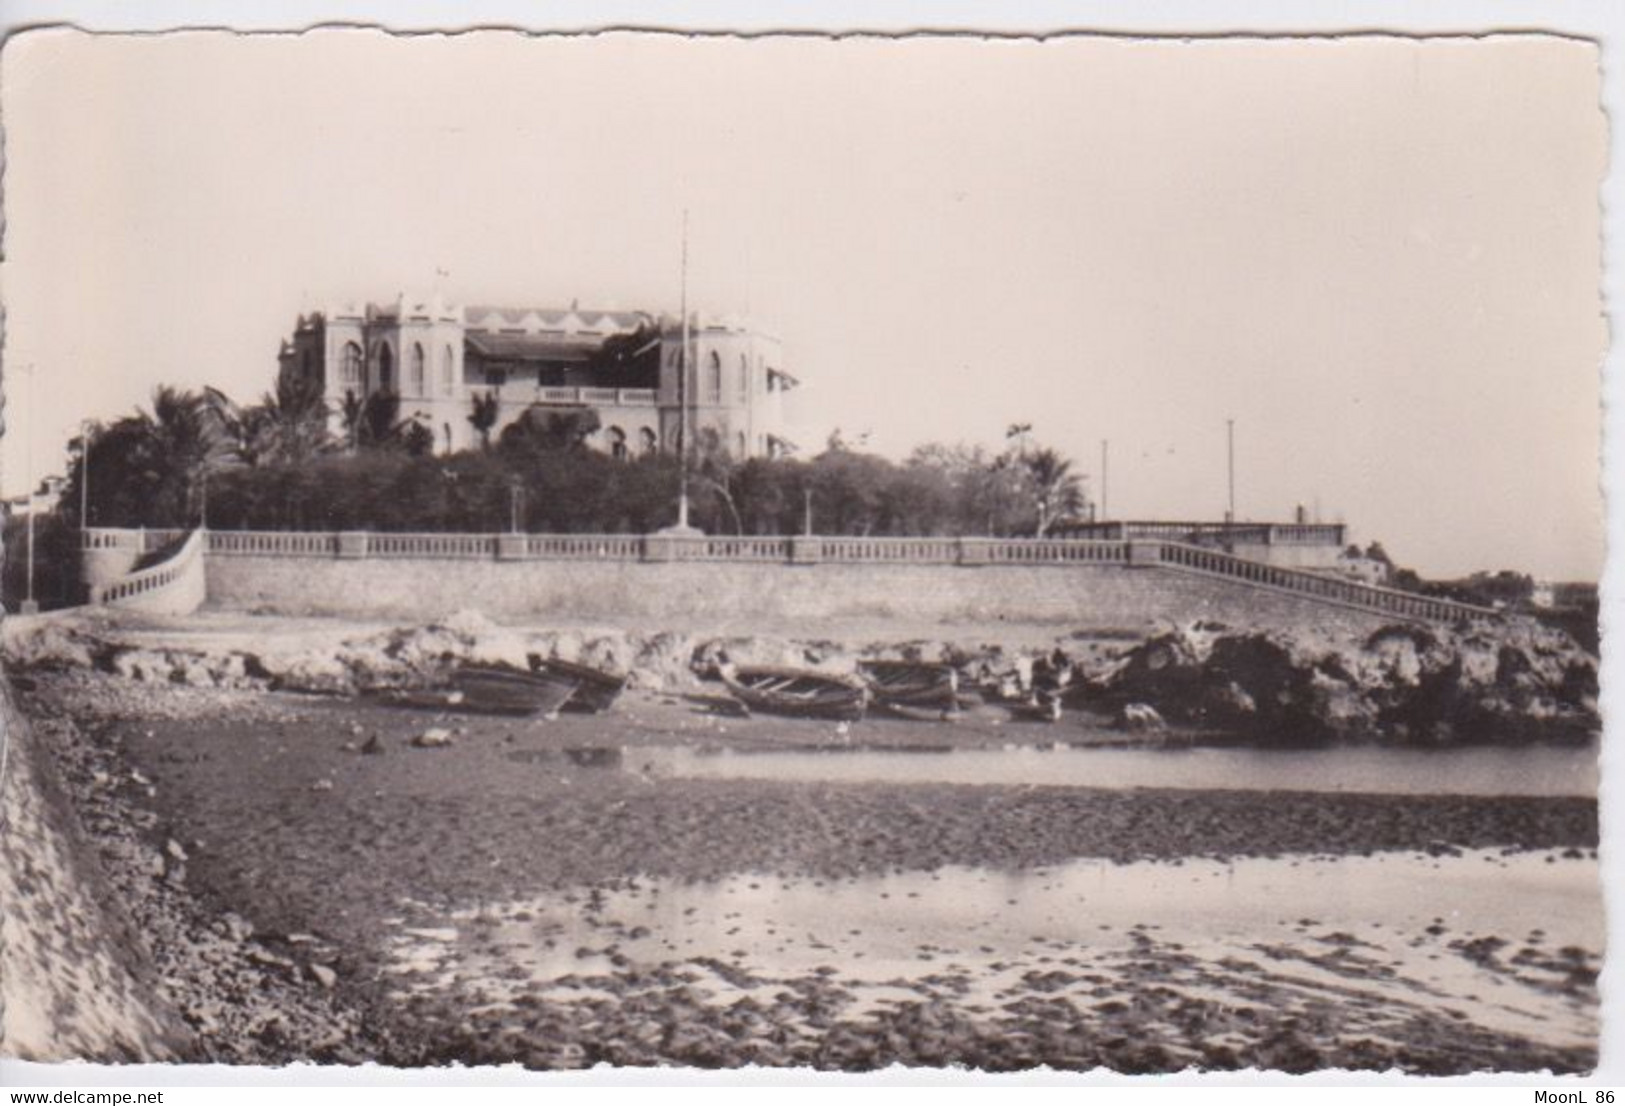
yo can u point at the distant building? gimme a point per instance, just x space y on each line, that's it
44 499
1311 546
624 365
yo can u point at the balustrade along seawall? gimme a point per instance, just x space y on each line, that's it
1117 584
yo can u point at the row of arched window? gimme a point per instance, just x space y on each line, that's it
714 374
710 439
618 447
352 369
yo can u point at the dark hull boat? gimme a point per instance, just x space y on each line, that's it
797 692
491 689
913 689
596 690
1040 706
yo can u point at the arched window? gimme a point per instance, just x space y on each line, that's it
714 392
617 443
448 369
419 376
350 366
648 439
744 382
386 367
740 456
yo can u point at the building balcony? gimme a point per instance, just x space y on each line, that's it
569 397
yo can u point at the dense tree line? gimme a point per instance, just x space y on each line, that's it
197 457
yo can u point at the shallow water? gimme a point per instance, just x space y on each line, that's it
1502 942
1545 770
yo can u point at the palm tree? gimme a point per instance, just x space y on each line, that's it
288 426
1057 490
352 410
381 424
484 416
171 451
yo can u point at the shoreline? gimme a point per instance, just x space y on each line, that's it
296 847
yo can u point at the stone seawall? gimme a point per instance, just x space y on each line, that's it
673 595
72 984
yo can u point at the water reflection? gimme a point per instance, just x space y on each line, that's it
1392 935
609 757
1536 771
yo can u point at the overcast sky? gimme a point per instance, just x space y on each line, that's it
1379 257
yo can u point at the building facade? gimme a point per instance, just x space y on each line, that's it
1310 546
625 366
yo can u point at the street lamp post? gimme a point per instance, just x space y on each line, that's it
1230 449
682 395
29 606
1105 457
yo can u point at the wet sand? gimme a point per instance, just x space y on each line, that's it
433 878
1057 965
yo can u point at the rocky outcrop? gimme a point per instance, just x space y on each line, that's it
1512 681
1515 682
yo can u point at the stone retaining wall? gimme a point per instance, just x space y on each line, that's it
675 595
68 984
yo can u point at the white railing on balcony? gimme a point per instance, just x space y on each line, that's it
586 397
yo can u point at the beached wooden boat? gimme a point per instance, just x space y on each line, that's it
490 689
1040 706
596 690
797 691
913 689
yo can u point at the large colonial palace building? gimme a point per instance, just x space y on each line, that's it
627 366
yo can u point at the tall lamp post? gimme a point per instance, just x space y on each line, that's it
1230 446
29 605
682 394
1105 457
